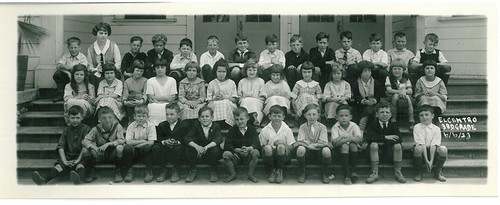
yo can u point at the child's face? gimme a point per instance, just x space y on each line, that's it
376 45
137 73
79 76
185 50
205 118
296 46
102 35
311 116
74 48
430 71
337 76
322 44
242 45
384 114
107 119
172 115
160 70
191 73
221 73
272 46
252 71
425 117
141 118
159 46
241 120
400 43
307 74
344 117
367 73
397 71
346 43
276 118
135 46
212 46
430 46
109 75
275 77
75 120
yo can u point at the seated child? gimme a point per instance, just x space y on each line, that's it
110 91
239 56
79 92
430 52
347 56
323 57
272 55
169 147
378 57
346 136
192 92
208 59
428 143
65 65
430 89
294 59
384 134
180 60
399 50
276 139
399 89
104 143
249 92
139 139
69 149
307 90
203 144
161 90
134 54
158 52
276 91
134 90
337 92
221 94
312 144
241 146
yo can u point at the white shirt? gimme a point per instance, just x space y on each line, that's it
206 129
441 57
428 135
172 126
376 57
351 131
266 57
206 58
268 135
146 131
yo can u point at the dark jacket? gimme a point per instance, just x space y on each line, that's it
374 132
235 139
197 135
163 131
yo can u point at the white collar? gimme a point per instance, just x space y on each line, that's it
382 123
423 51
309 84
430 84
282 127
103 51
340 127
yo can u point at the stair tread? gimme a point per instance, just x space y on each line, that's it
43 114
465 112
458 81
47 102
40 130
467 98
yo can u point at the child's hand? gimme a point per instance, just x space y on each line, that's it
391 137
201 150
65 162
277 142
312 147
342 61
104 147
356 140
292 67
428 165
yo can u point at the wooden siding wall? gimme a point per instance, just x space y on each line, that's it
81 27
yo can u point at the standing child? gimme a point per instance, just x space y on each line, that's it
110 91
134 54
399 89
191 92
249 92
428 143
378 57
337 92
399 50
430 52
79 92
276 139
158 52
161 90
294 59
276 91
241 145
239 56
180 60
323 57
69 149
65 65
347 56
134 90
209 58
347 137
221 94
381 132
203 144
307 90
272 55
139 139
430 89
312 144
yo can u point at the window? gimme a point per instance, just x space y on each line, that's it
215 18
258 18
320 18
145 17
363 18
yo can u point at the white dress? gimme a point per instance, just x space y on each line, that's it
249 94
153 87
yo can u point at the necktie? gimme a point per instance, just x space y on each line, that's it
345 57
384 126
102 58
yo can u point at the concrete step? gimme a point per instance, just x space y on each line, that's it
46 105
42 118
467 86
467 102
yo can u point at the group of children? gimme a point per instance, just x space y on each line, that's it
158 114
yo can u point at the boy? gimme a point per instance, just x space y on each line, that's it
347 56
239 56
158 52
180 60
312 144
430 52
134 90
140 136
134 54
208 59
242 145
104 143
399 50
203 143
169 147
294 59
323 57
428 143
69 149
386 134
62 76
378 57
346 136
276 139
272 55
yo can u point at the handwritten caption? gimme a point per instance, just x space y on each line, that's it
458 127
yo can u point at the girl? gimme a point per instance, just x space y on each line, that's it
221 94
110 91
79 92
134 89
398 87
307 90
249 91
191 92
337 92
276 91
161 90
430 89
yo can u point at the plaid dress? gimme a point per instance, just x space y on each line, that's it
191 92
223 109
249 94
116 87
307 93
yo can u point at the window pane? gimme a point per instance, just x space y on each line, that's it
265 18
252 18
327 18
356 18
313 18
222 18
215 18
369 18
145 16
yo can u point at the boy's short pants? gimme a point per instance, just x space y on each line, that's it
314 156
238 159
67 168
288 154
109 155
385 151
428 150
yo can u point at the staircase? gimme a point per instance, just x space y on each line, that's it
42 125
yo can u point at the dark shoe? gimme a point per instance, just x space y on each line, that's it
279 176
175 176
90 176
191 176
372 178
75 177
148 176
37 178
272 176
118 176
213 176
162 176
418 177
399 177
354 177
302 176
130 176
439 176
347 181
325 179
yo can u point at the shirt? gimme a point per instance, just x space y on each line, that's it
428 135
295 59
67 60
441 57
266 57
129 58
135 89
312 134
98 136
339 132
268 135
136 131
353 55
207 59
206 129
71 140
172 126
376 57
180 61
404 54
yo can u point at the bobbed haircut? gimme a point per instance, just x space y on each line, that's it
428 63
307 65
221 63
277 68
192 64
139 64
109 67
75 110
249 64
398 62
101 26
